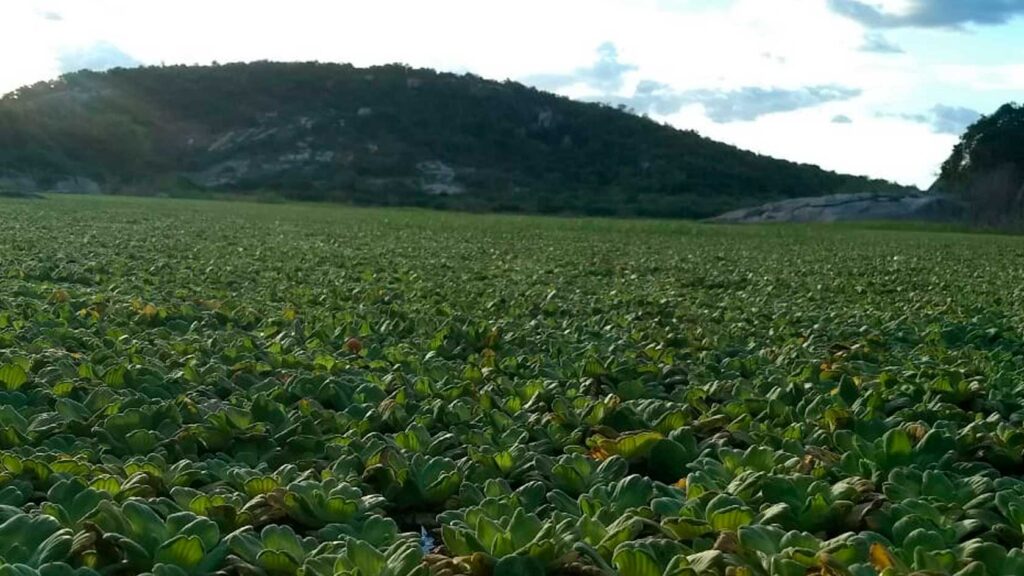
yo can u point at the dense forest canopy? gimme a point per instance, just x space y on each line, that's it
987 167
992 141
381 135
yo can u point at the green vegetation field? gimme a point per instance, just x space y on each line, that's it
193 388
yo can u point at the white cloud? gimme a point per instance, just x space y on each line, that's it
951 14
942 119
723 106
99 56
998 77
875 42
879 147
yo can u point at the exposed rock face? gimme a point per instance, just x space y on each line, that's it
226 173
995 196
77 185
14 183
18 183
438 178
848 207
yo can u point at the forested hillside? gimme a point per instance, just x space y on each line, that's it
387 135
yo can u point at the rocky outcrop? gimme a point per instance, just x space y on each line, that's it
849 207
77 185
12 183
20 184
436 177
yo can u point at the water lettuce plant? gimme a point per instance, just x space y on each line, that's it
193 388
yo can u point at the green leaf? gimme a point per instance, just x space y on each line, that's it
493 536
141 441
786 567
283 539
33 540
668 460
635 561
975 569
622 530
189 524
731 518
13 376
687 528
277 562
523 528
245 544
115 377
146 526
707 562
519 566
897 444
366 558
107 484
935 445
339 509
182 551
62 569
763 539
260 485
405 558
459 541
168 570
992 555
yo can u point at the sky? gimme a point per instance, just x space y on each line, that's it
875 87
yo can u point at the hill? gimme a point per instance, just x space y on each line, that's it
387 135
986 168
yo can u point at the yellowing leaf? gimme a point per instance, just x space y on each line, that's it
59 296
629 446
880 557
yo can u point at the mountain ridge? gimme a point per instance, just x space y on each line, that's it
384 135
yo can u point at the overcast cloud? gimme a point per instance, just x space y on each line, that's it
723 106
931 13
942 119
879 44
606 74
